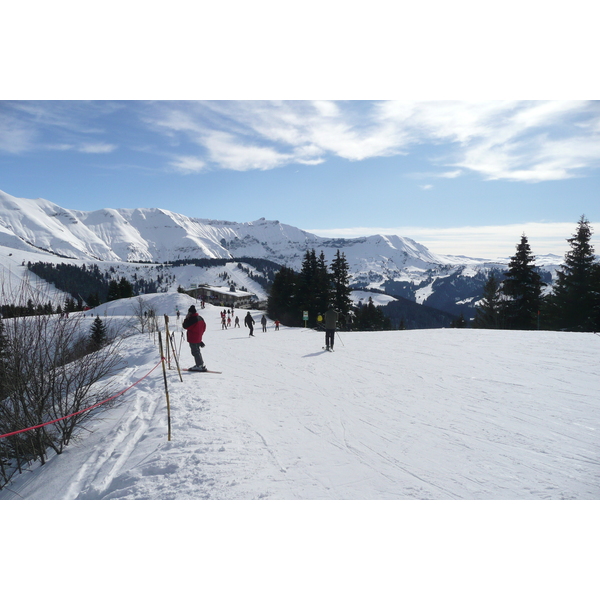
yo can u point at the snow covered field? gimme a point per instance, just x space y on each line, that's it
433 414
404 415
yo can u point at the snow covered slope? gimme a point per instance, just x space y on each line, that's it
426 414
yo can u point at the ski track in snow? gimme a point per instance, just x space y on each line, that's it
429 414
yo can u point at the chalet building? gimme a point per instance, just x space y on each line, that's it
224 296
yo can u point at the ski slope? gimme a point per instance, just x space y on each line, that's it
400 415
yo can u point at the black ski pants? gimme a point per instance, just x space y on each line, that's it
329 338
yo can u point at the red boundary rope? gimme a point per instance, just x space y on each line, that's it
85 409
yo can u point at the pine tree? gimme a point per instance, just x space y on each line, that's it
322 285
69 305
98 333
574 303
595 322
125 288
113 291
522 288
313 285
282 303
459 322
340 279
371 318
307 279
93 300
488 311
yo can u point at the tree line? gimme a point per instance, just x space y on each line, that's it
518 299
86 285
314 288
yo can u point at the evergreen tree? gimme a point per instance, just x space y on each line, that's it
340 279
574 301
125 288
322 285
69 305
522 288
459 322
93 300
98 333
595 322
313 286
371 318
282 303
488 311
113 291
306 298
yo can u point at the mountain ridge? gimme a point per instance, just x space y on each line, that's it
390 263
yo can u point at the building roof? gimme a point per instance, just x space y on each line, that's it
225 291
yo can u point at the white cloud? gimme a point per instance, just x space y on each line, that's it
61 147
188 164
15 137
451 174
427 186
226 150
477 242
514 140
97 148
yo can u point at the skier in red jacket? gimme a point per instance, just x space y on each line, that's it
195 326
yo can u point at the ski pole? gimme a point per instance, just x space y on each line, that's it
175 356
339 338
181 340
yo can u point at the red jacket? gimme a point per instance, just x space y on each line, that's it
195 326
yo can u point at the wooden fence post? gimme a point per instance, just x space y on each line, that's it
162 359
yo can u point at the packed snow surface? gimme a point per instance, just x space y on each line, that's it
425 414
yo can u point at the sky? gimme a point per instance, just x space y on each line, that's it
466 176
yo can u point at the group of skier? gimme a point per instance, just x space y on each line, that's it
195 327
226 319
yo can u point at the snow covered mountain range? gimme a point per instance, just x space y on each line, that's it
390 264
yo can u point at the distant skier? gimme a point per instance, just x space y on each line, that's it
330 318
249 322
195 326
263 322
237 322
276 325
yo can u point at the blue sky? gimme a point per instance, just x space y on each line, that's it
460 176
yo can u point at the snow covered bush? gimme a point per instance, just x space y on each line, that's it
50 369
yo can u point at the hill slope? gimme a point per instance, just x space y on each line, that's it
434 414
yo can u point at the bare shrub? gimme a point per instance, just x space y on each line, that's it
50 369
